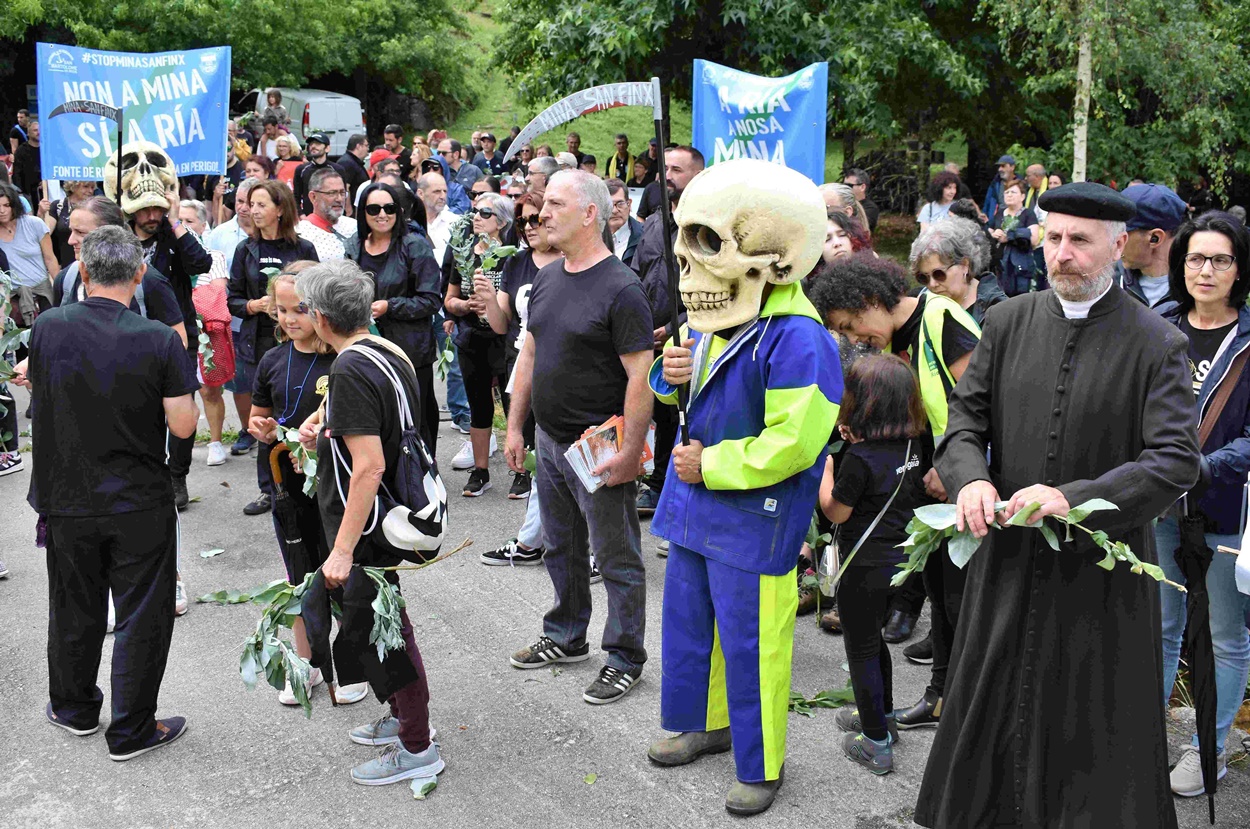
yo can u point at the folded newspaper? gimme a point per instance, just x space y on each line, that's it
600 444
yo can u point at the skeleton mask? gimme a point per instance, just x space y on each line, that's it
743 224
147 175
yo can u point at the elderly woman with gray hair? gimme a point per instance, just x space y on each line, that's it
361 415
470 300
950 257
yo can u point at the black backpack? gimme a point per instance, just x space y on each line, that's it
410 520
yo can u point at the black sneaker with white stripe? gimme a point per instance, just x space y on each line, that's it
546 652
512 554
611 685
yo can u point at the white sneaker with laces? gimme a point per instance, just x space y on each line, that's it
1186 777
287 697
180 599
464 458
350 694
216 454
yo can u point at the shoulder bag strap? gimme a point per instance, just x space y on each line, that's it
877 520
1222 394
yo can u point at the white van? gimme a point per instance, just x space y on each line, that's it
314 110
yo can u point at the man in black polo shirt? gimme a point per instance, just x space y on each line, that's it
105 383
586 359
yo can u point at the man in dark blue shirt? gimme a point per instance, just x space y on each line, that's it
105 383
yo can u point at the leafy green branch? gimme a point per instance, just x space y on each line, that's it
206 346
445 359
828 698
933 524
305 459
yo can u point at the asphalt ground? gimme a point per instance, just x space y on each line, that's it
519 746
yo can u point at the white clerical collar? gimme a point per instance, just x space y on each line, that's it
1080 310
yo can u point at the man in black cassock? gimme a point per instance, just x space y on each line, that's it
1053 716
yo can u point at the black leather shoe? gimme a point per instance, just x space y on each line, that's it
181 498
899 627
926 713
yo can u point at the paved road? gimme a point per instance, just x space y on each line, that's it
518 744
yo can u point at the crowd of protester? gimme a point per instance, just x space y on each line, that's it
300 261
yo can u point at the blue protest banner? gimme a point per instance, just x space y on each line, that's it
782 120
177 100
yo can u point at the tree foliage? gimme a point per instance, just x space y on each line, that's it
416 48
1171 81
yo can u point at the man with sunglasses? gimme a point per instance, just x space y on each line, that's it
464 174
326 227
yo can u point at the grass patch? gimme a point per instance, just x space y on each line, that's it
228 436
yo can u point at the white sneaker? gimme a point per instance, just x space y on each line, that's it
464 458
287 697
216 454
349 694
1186 777
180 599
112 621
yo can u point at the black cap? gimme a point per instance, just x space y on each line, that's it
319 137
1088 200
486 136
431 165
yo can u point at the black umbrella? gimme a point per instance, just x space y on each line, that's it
298 552
1194 557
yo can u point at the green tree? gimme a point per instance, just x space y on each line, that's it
416 48
1169 82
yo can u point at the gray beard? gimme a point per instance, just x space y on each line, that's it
1082 288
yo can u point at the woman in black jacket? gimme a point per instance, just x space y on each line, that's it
406 293
273 245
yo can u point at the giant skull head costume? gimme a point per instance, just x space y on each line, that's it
148 174
741 225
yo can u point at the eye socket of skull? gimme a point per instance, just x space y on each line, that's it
703 239
129 160
156 159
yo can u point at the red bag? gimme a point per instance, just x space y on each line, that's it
210 304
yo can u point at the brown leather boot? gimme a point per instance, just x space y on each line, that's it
688 747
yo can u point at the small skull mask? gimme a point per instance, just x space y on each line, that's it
147 175
741 225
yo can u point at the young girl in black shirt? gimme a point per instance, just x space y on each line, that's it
880 473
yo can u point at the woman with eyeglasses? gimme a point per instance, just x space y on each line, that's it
406 296
949 259
470 301
1209 272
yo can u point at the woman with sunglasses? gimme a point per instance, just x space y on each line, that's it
1209 273
949 259
470 301
406 296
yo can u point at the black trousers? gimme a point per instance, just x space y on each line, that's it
944 582
863 601
665 418
133 554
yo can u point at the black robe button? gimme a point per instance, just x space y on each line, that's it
1055 413
1050 455
1060 389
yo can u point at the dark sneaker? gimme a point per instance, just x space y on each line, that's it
920 652
688 747
648 498
877 758
830 621
260 506
847 719
479 482
926 713
72 729
899 627
167 730
521 485
10 463
753 798
181 498
511 555
545 652
611 685
243 444
595 575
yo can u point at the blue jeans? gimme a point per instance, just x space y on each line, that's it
575 522
457 400
1228 623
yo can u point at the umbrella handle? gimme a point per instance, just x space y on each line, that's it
275 454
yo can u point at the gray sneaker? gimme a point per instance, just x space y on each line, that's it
1186 777
395 763
381 732
877 759
848 719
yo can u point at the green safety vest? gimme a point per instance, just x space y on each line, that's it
935 377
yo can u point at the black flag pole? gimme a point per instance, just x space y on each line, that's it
121 125
670 260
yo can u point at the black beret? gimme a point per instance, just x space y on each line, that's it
1088 200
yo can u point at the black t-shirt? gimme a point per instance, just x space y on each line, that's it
1204 344
864 477
271 256
372 263
517 282
100 375
289 382
362 402
956 340
158 297
582 323
17 133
